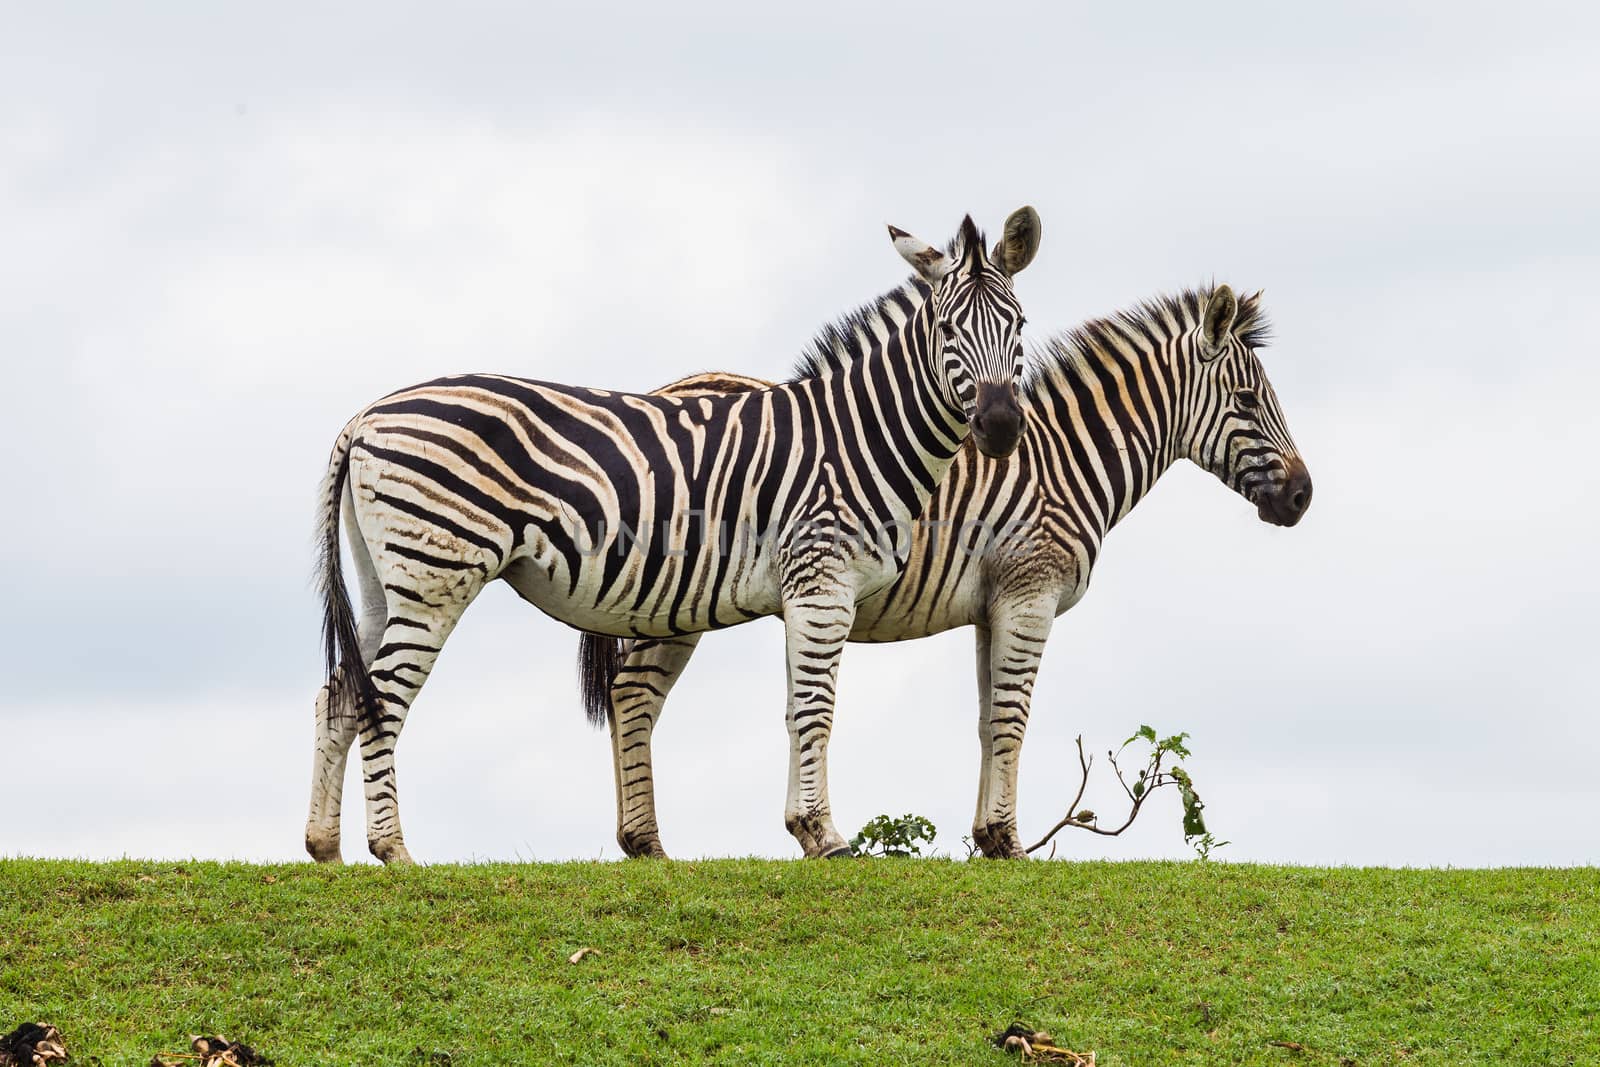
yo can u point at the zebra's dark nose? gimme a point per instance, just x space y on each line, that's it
1288 504
997 420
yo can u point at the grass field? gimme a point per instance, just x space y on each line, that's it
746 961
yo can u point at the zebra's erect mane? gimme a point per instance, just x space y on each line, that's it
842 342
839 344
1072 350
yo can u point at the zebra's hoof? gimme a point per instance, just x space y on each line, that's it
840 852
999 841
641 846
323 850
816 836
392 853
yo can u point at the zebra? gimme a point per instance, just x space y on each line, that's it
649 517
1006 547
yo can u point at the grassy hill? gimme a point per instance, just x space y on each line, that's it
746 961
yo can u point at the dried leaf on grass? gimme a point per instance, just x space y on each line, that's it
582 952
32 1045
212 1052
1036 1046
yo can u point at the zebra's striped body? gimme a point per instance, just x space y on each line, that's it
1007 546
652 516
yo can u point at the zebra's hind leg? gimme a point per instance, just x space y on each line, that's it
638 694
429 553
1017 636
816 626
410 647
336 731
336 710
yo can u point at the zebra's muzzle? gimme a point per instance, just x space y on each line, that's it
1287 502
996 420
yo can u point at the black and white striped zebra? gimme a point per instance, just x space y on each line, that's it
648 517
1008 546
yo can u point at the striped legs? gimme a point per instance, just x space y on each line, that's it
637 696
411 644
336 711
401 633
336 731
980 824
1009 649
816 626
399 665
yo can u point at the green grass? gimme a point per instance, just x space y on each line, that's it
746 961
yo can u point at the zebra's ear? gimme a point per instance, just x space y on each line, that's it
1217 320
925 259
1020 242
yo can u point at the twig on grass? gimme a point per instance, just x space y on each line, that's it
213 1052
1038 1046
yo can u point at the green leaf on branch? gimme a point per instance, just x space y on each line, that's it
1175 745
1148 733
1194 823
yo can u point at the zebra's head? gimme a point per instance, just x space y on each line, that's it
1236 429
976 322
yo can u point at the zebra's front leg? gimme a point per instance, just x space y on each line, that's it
816 626
638 695
980 826
1016 639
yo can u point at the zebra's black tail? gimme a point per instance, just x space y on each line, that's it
599 660
341 642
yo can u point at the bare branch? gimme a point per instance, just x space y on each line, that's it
1154 777
1084 763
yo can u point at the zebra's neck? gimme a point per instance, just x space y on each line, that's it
878 368
1107 413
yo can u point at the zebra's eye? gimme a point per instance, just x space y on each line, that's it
1021 323
949 330
1247 399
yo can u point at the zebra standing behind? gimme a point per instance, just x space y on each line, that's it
1006 547
651 517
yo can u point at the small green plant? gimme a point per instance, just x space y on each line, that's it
885 836
1204 844
1152 776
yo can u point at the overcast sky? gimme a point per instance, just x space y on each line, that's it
225 232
